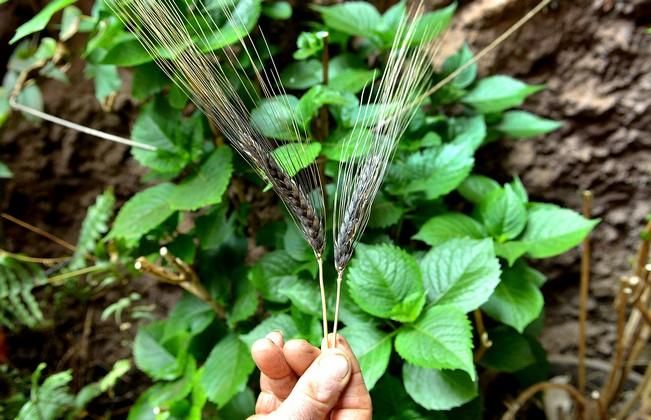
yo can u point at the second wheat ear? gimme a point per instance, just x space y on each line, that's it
174 35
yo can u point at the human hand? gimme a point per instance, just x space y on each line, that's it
300 382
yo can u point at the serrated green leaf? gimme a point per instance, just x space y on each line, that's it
302 74
239 407
242 18
499 93
213 229
296 245
384 213
128 52
511 250
476 187
148 79
351 18
447 226
434 172
226 370
552 230
390 399
461 272
314 99
431 25
519 189
273 273
522 124
158 359
385 281
69 22
189 314
435 389
206 186
143 212
245 304
503 213
372 349
277 117
106 79
441 339
304 295
452 63
510 351
40 21
516 301
293 157
352 80
279 322
470 132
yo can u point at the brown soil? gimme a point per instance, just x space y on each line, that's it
594 58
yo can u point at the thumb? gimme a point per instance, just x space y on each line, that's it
318 390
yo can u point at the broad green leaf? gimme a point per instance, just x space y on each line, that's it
503 213
436 389
31 96
431 25
522 124
160 360
126 53
476 187
189 314
385 281
447 226
106 78
305 296
161 396
434 172
5 172
552 230
241 20
519 189
40 21
279 10
351 18
240 407
245 304
352 80
69 22
280 322
390 22
148 79
343 144
5 109
226 370
516 301
277 117
293 157
499 93
461 272
441 339
510 351
302 74
213 229
372 348
452 63
143 212
470 132
384 213
207 185
511 250
273 273
390 399
314 99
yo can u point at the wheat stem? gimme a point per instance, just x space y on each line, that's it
340 276
324 307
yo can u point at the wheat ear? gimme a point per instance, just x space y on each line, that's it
180 46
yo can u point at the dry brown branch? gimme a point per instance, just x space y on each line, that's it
484 342
39 231
528 393
584 291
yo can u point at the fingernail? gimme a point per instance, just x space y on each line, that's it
335 366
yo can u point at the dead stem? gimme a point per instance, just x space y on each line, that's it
39 231
603 413
184 277
484 342
584 291
628 406
610 386
536 388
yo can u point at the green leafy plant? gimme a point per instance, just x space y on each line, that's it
443 241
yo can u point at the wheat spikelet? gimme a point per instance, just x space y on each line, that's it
395 98
175 33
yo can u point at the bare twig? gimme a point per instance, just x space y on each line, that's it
630 403
584 290
484 342
536 388
39 231
25 258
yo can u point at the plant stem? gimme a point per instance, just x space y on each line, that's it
25 258
608 391
484 342
39 231
324 308
340 276
536 388
56 280
583 293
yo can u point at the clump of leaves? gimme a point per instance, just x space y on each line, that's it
442 241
